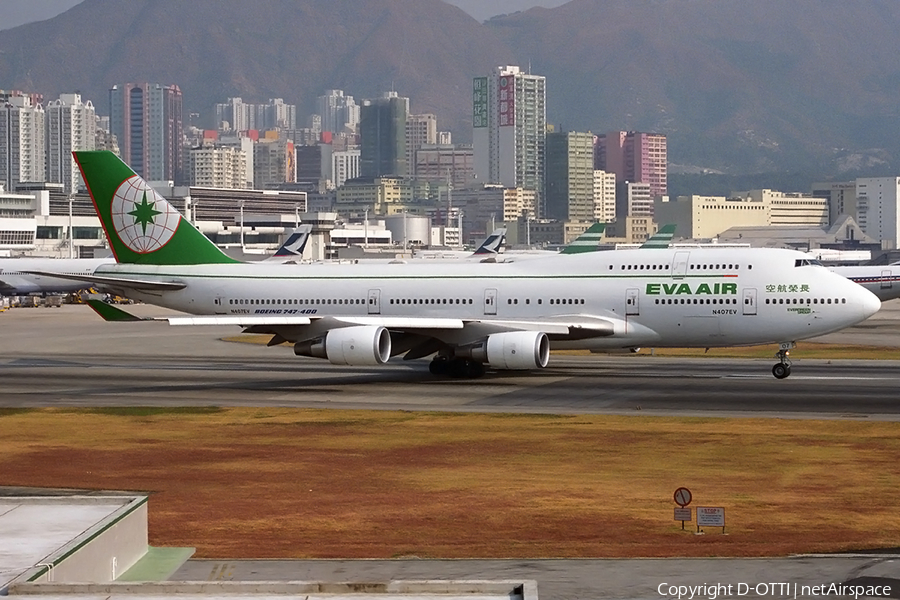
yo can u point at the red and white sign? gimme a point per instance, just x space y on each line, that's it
708 516
682 497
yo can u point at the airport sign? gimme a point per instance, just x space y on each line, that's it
682 497
682 514
708 516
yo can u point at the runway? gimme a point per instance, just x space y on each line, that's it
68 357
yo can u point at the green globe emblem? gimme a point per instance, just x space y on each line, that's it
143 219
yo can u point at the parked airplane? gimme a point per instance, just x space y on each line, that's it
503 315
589 241
18 276
881 280
293 246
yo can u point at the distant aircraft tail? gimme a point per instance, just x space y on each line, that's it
293 246
141 226
492 244
660 239
589 241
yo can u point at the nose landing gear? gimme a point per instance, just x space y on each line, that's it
783 368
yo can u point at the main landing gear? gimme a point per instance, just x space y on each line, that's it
458 368
783 368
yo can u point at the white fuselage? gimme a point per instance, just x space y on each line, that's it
675 297
15 279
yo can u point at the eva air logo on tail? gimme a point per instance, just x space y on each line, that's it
143 220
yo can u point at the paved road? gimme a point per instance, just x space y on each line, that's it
582 579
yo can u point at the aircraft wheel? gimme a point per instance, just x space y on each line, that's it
461 368
780 371
439 366
474 369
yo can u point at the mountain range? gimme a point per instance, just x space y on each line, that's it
737 86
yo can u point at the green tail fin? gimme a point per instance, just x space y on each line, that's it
589 241
141 226
660 239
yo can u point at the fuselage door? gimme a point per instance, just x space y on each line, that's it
679 265
374 302
490 301
749 301
632 306
886 282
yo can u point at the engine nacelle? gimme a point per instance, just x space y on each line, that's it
353 346
513 350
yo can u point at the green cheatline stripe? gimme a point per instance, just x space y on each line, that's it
183 277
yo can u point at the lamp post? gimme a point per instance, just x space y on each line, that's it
242 224
71 238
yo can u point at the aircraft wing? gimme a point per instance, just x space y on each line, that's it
113 313
117 282
567 326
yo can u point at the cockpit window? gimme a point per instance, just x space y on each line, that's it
807 262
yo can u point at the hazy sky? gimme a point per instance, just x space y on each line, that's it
17 12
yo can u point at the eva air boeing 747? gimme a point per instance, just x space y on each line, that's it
506 316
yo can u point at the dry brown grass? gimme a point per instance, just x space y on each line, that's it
307 483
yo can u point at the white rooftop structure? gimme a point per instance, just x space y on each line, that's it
70 538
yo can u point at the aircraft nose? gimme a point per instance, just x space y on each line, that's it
868 302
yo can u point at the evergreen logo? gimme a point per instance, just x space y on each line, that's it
143 219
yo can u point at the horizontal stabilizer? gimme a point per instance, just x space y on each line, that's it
112 313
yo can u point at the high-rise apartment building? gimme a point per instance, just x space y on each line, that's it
22 151
438 161
634 157
510 124
237 115
382 137
604 197
344 166
338 112
146 119
274 162
420 130
569 176
71 125
218 167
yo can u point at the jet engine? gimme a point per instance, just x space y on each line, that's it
353 346
514 350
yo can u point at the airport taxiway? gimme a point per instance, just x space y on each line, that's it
68 357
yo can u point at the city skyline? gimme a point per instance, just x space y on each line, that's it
752 99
